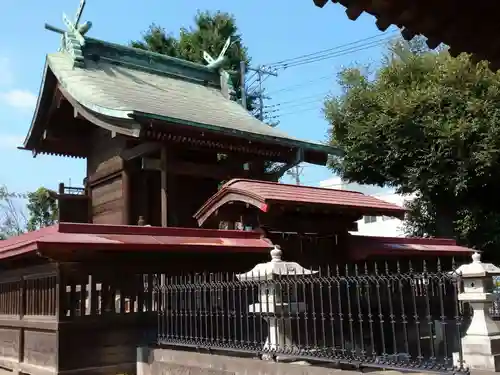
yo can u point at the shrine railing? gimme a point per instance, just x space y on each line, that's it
376 316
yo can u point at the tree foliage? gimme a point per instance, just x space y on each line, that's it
209 34
42 208
425 123
15 218
12 218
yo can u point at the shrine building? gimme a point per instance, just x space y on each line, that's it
177 179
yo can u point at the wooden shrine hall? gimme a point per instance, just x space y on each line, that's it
179 178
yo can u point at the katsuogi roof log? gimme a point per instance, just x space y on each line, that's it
463 26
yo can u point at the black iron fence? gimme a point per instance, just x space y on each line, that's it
372 317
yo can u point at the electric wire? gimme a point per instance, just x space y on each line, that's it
322 78
333 52
295 101
274 111
281 62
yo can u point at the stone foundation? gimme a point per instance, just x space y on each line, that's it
171 362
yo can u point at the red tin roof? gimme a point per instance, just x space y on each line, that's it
72 236
263 193
360 247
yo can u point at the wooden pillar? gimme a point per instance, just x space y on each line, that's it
126 196
164 193
145 197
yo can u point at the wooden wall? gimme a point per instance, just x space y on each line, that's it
105 169
74 208
28 320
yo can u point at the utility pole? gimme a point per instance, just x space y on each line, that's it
243 68
296 172
261 72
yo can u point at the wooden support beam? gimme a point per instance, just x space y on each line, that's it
149 164
164 193
217 172
140 150
126 196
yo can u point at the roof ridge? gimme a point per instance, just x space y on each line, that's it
147 53
148 61
235 180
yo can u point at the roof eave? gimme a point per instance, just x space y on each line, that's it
329 150
43 93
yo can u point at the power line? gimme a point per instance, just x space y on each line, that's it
300 100
322 78
261 73
302 84
333 52
344 52
329 49
298 111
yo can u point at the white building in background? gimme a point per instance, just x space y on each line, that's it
381 226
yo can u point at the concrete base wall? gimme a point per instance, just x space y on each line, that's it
171 362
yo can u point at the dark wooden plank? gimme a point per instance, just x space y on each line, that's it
126 195
164 192
140 150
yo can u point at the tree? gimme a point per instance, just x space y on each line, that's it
12 218
42 208
425 123
209 34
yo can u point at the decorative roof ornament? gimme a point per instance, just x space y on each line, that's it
73 39
217 63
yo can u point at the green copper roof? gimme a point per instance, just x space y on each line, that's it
123 84
122 88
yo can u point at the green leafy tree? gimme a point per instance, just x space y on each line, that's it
42 209
428 124
12 218
209 34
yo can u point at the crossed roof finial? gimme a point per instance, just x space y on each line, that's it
72 39
73 28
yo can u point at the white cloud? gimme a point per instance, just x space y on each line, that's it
10 141
6 73
16 98
21 99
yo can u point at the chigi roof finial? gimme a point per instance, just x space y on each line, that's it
72 39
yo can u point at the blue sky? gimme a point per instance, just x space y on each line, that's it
272 30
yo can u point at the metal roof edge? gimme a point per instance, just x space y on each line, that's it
42 93
133 131
111 112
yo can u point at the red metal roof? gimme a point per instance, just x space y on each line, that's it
262 193
72 236
360 247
